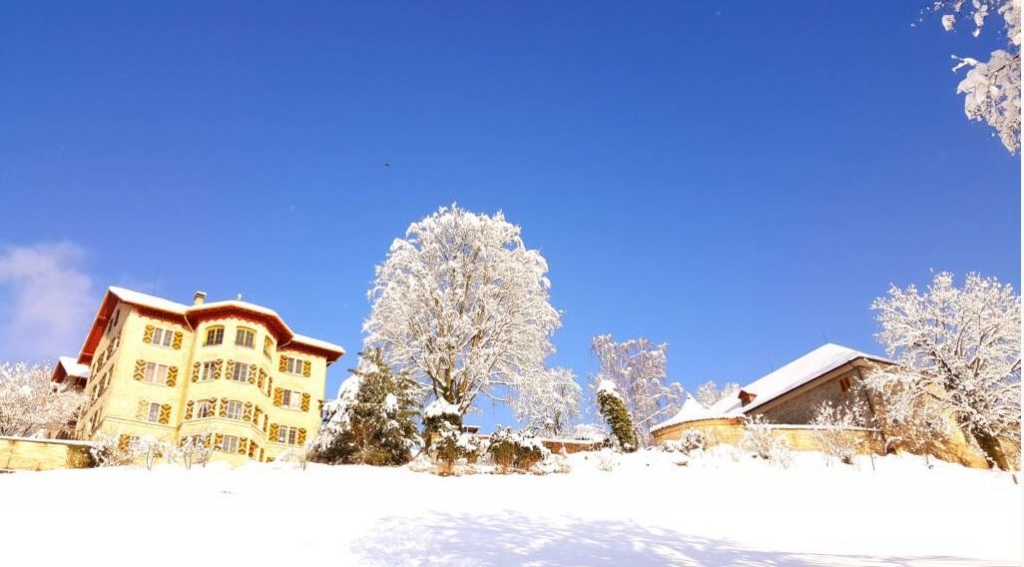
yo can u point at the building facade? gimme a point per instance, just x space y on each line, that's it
230 373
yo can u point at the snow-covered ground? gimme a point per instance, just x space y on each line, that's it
647 511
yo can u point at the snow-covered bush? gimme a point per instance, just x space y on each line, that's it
110 451
590 432
191 450
760 439
606 460
148 449
513 451
297 455
833 431
31 405
692 440
614 411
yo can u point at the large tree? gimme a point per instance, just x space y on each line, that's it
708 393
461 304
991 88
32 405
960 349
637 368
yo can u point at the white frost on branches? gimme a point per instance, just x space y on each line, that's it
991 88
462 305
31 405
637 368
708 393
550 406
960 348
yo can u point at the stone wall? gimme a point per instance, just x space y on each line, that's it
18 453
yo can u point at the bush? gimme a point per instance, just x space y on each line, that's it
512 451
759 439
111 451
692 440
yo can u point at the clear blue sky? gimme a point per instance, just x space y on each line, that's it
737 179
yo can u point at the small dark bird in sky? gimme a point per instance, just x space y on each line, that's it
387 163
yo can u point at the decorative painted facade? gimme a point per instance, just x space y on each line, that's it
230 372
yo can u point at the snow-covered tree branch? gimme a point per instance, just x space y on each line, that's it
960 348
991 88
551 406
461 304
708 393
32 405
637 368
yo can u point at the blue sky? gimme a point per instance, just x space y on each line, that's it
737 179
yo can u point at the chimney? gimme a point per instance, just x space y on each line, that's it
199 298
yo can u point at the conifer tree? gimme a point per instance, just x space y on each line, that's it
377 425
614 411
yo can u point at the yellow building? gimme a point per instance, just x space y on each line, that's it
229 372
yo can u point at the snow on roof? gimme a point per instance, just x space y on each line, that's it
146 300
692 410
72 367
818 362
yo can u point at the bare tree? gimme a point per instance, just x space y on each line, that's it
637 369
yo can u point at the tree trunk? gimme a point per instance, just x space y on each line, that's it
993 450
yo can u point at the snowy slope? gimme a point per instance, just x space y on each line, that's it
648 511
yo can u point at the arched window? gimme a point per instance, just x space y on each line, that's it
214 335
245 337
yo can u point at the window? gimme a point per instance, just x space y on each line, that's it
267 345
240 372
245 337
844 384
291 399
204 409
162 337
209 371
293 365
214 336
154 413
234 410
155 373
230 444
287 435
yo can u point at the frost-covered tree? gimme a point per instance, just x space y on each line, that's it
614 411
549 407
909 415
30 404
637 368
959 347
833 430
708 393
373 419
462 305
991 88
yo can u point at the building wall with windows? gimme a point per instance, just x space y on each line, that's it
229 373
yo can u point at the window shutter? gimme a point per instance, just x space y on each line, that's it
243 445
278 397
147 335
247 411
283 365
172 376
140 370
140 413
165 414
307 368
305 402
223 407
262 378
252 374
273 432
302 436
123 442
188 410
216 369
230 371
176 342
270 384
195 372
252 448
218 441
